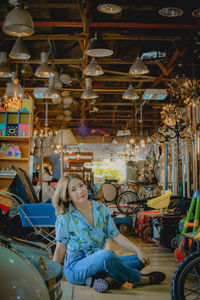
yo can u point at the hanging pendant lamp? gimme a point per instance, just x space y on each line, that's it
51 92
130 94
138 68
93 69
18 22
43 71
98 47
19 50
109 7
14 88
88 92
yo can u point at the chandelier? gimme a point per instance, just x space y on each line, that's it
13 103
171 115
131 149
191 91
186 89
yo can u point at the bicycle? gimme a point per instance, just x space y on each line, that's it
126 201
185 283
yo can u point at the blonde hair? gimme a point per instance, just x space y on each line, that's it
60 199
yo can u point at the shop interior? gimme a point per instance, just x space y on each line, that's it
108 90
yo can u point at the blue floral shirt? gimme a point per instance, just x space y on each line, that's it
73 229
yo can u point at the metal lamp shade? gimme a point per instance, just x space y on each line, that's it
18 22
93 69
4 70
88 93
51 92
67 138
109 7
98 47
19 50
138 68
130 94
43 71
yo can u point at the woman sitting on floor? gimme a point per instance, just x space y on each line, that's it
82 228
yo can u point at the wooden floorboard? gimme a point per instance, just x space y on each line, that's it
162 259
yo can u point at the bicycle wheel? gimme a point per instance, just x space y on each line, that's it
186 279
128 203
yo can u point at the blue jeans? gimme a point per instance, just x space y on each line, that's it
78 267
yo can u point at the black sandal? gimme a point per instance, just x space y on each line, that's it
155 277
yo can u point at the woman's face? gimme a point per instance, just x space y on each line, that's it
77 191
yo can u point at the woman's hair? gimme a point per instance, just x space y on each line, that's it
60 199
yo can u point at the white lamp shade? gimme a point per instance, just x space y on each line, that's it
68 138
97 47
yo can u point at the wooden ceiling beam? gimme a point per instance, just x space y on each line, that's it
94 119
79 61
80 90
53 5
115 25
124 103
106 36
124 78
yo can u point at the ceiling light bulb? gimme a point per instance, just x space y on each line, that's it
137 148
131 141
93 69
138 67
130 94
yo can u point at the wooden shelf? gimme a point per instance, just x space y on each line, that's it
14 158
14 138
7 162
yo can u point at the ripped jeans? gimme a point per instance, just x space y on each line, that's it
78 267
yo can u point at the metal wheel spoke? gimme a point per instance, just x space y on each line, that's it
191 287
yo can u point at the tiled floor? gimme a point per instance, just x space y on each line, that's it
162 259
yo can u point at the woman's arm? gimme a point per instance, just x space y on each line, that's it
122 241
59 252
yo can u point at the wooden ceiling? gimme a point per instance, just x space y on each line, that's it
64 28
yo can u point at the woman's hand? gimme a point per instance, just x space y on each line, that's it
143 258
127 244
